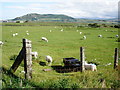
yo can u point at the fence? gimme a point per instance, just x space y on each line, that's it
25 54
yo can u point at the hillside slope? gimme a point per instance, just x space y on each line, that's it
45 18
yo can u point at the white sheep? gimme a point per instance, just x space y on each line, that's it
44 39
80 32
13 34
35 54
76 30
91 67
16 34
117 35
27 33
61 30
50 30
49 59
84 37
1 43
99 35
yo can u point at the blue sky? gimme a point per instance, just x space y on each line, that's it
75 8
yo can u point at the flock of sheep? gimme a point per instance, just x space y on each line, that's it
49 59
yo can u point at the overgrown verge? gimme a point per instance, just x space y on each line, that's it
84 80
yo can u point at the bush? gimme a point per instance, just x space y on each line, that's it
95 25
117 26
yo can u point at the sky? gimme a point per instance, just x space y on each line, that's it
108 9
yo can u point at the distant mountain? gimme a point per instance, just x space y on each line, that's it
45 18
96 20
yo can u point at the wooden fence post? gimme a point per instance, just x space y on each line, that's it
116 58
27 59
82 58
18 60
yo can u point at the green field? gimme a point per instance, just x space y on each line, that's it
62 45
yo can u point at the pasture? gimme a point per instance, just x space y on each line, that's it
62 45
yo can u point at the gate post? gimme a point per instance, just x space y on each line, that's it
82 58
27 59
116 58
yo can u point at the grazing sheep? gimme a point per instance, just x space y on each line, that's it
117 35
35 54
44 39
91 67
99 35
27 33
50 30
13 35
1 43
61 30
84 37
49 60
16 34
76 30
80 32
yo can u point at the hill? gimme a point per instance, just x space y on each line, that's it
45 18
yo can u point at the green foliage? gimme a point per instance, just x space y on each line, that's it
115 84
11 81
95 25
116 26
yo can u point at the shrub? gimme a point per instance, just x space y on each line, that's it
95 25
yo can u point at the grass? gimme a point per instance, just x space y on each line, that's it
61 45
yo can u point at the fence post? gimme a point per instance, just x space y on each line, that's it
82 58
18 60
116 58
27 59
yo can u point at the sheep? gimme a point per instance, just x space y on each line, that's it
1 43
91 67
80 32
35 54
44 39
84 37
27 33
16 34
13 35
117 35
49 60
76 30
99 35
61 30
50 30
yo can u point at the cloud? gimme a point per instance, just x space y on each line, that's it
74 8
57 0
